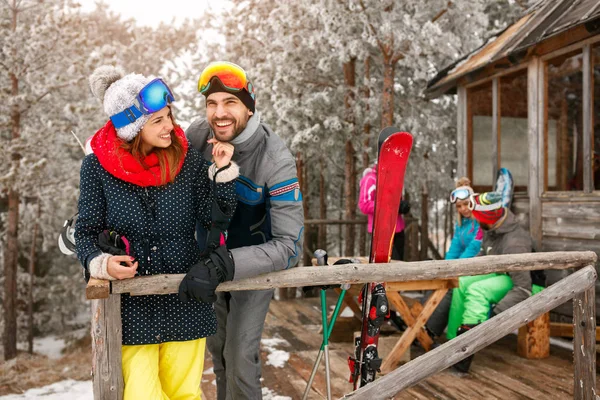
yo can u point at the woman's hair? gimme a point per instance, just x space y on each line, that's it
170 156
464 181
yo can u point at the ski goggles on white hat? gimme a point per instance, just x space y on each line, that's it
460 193
153 97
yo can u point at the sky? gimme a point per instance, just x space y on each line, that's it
150 12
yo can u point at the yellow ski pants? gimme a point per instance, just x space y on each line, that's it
166 371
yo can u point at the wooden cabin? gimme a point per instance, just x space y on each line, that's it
527 100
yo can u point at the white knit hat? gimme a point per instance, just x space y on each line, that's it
117 92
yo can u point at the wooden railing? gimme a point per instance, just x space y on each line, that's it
106 323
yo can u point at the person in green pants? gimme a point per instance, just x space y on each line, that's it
480 297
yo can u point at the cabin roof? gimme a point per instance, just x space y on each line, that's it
542 21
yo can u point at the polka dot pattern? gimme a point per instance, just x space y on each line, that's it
159 223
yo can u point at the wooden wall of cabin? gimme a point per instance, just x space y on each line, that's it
568 224
571 223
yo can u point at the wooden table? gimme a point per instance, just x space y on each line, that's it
415 316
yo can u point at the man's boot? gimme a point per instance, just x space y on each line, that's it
464 364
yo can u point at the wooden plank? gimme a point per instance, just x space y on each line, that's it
560 329
97 289
107 375
412 331
562 244
534 338
481 336
587 109
575 197
362 273
584 344
397 302
533 142
550 377
431 284
461 131
587 211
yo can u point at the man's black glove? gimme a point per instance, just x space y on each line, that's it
404 207
203 278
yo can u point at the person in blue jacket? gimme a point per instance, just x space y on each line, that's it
466 243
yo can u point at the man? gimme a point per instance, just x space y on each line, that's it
488 295
482 296
265 233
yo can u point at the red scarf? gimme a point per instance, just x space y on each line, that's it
121 164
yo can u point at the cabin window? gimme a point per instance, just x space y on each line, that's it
563 127
514 149
480 136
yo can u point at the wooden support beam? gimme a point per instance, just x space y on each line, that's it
414 330
397 302
584 344
490 331
362 273
107 376
587 110
432 284
534 134
97 289
558 329
534 338
495 128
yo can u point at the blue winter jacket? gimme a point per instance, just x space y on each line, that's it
466 242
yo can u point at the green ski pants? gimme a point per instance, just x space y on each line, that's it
472 299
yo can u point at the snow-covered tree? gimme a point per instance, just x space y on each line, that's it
47 51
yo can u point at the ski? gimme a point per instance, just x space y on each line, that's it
394 151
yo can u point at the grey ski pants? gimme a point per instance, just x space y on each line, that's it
235 348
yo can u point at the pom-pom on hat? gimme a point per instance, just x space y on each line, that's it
117 92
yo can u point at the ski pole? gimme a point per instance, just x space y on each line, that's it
321 256
345 287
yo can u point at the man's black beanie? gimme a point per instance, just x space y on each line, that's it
243 95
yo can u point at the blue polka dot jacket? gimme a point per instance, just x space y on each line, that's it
159 222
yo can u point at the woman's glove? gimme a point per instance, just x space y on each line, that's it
203 278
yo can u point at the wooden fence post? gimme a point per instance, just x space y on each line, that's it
107 375
584 345
424 223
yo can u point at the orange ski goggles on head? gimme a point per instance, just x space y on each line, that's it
231 76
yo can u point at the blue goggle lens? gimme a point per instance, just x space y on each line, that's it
459 194
155 96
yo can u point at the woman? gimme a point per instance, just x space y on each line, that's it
366 204
466 243
144 184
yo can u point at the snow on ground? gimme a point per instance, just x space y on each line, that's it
347 312
63 390
50 346
276 357
268 394
82 390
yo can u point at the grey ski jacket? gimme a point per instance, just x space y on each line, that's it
510 238
266 231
